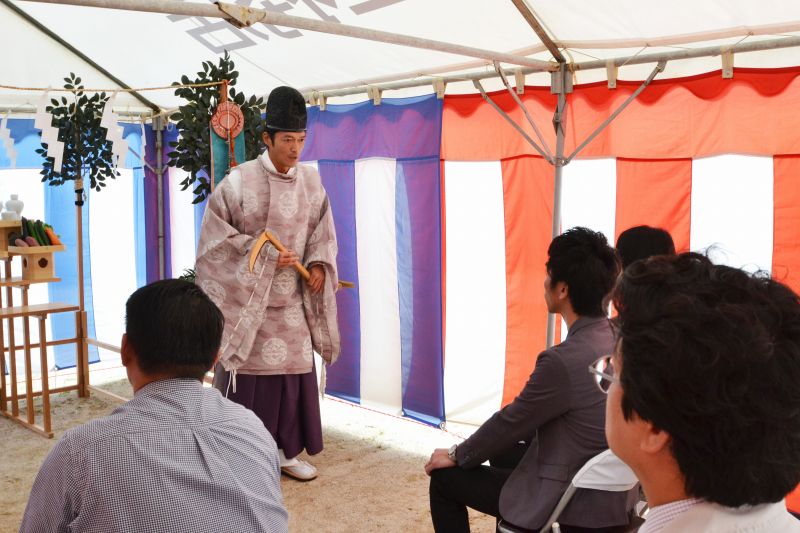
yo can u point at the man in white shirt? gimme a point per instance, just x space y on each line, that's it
178 457
703 394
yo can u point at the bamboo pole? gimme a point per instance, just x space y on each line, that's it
81 354
158 126
81 357
79 231
83 392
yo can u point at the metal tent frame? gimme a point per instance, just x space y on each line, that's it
559 68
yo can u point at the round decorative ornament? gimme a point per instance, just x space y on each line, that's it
227 120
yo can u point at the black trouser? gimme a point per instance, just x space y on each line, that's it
452 490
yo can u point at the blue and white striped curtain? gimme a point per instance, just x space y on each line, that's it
381 168
114 236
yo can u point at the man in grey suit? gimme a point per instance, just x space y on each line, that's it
540 440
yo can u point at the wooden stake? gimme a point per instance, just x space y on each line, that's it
45 376
12 354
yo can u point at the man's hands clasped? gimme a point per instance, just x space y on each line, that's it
287 258
317 279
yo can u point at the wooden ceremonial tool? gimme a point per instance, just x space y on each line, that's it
281 248
269 237
260 242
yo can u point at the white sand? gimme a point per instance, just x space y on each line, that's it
371 471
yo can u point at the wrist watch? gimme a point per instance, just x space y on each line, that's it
451 453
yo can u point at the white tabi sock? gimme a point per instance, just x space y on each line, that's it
285 461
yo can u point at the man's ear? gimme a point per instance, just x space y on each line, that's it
126 350
563 291
654 440
267 141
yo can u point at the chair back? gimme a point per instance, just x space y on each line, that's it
605 471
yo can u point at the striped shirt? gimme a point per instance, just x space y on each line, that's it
661 515
177 458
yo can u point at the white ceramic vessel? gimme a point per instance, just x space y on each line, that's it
15 205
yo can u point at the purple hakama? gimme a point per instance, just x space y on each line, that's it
288 404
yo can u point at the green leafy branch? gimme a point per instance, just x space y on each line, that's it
86 147
192 150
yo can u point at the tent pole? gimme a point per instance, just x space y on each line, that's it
513 93
560 85
631 98
510 120
711 51
692 53
242 16
31 110
57 38
530 17
158 126
770 29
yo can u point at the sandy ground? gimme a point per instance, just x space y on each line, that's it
371 471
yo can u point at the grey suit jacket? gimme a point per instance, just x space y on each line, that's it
564 410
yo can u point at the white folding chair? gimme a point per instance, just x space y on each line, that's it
605 471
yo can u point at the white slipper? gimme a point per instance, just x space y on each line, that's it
301 470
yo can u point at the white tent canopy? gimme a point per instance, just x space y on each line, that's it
155 49
731 196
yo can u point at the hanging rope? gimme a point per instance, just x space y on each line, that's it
52 90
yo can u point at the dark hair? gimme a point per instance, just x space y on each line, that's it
641 242
174 328
711 355
583 260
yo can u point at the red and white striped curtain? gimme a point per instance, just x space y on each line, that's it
714 161
711 160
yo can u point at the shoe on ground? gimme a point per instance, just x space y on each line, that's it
301 470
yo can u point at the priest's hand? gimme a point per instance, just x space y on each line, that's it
317 279
287 258
439 459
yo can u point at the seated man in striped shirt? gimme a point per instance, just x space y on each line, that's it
178 457
703 398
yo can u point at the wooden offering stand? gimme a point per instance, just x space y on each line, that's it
37 267
37 261
7 227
